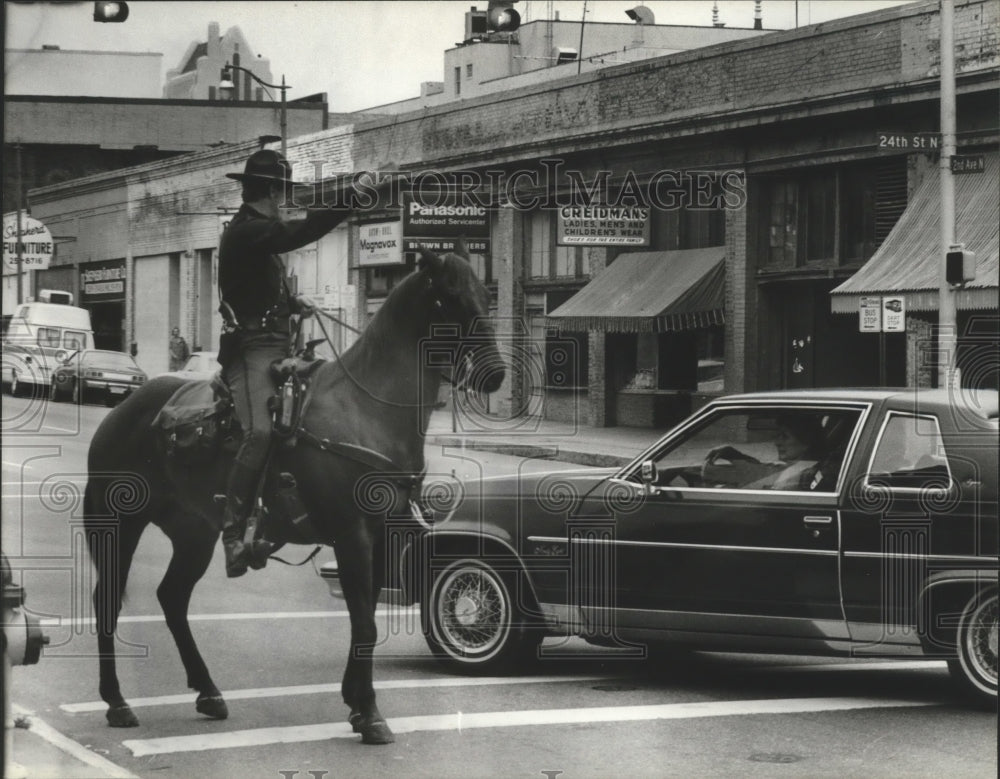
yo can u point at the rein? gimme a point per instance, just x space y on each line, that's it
394 404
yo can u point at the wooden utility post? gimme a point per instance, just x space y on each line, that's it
947 317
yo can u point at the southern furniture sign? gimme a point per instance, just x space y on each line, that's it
36 244
603 226
438 220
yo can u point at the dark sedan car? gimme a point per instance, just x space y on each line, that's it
841 522
96 373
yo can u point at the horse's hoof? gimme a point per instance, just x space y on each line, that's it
121 716
375 732
354 720
212 706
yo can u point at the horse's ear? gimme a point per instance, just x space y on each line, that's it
429 260
462 249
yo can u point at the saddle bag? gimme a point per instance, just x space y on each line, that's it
195 421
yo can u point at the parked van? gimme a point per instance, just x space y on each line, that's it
39 335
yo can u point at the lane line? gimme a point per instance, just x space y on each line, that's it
460 721
312 689
226 617
901 665
75 750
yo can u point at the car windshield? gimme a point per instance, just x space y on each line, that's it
74 339
108 360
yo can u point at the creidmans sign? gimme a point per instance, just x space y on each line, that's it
438 221
603 226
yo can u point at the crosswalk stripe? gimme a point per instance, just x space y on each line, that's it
226 617
460 721
312 689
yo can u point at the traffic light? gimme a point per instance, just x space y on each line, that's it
501 16
959 265
110 12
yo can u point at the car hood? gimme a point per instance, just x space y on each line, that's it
509 506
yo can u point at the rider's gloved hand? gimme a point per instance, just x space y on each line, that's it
306 308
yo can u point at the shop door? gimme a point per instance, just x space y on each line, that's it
799 340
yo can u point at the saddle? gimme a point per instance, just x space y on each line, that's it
198 424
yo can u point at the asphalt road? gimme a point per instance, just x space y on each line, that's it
276 643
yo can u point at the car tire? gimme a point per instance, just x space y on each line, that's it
472 621
974 668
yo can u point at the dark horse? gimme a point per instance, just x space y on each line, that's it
379 395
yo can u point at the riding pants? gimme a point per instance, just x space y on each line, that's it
247 373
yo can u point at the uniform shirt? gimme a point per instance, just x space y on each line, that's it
251 275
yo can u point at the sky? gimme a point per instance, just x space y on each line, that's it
361 54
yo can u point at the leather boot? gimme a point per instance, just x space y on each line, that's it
233 527
239 495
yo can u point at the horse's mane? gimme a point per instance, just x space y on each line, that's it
383 333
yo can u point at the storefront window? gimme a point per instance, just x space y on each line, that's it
839 215
545 259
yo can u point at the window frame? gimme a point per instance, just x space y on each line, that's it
631 474
868 484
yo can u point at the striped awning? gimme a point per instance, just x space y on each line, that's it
908 263
652 292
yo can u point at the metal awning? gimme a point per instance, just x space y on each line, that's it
908 263
652 292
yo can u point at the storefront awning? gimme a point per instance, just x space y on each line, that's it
908 263
650 292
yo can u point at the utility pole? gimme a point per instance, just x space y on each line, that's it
20 211
947 317
583 24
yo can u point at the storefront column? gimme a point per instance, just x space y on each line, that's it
740 331
599 392
512 329
130 344
921 352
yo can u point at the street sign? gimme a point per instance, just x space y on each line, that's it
870 315
968 163
911 142
893 315
36 243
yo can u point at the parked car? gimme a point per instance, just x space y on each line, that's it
200 365
36 338
876 536
96 372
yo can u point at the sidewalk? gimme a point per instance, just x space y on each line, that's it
40 752
558 441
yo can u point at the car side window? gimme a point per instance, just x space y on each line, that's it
909 454
48 336
73 339
784 449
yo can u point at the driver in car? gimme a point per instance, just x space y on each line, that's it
799 441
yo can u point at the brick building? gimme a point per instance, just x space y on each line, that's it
759 186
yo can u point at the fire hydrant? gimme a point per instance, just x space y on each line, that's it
22 643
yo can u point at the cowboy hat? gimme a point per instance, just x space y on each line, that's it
265 165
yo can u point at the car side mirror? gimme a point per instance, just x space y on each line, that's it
649 475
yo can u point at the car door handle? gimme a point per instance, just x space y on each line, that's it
817 521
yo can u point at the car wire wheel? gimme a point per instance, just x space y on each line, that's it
977 651
472 610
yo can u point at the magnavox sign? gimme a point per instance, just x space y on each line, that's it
438 220
603 226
